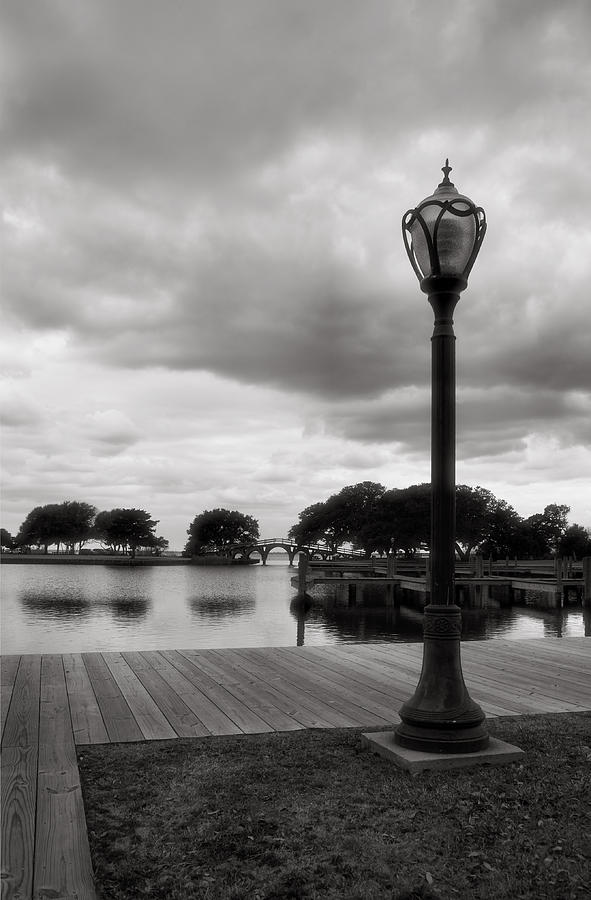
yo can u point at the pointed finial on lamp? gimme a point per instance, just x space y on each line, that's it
446 169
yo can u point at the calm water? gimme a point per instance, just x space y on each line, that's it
61 609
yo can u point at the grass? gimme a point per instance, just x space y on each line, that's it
314 815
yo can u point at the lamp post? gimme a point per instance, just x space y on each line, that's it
442 237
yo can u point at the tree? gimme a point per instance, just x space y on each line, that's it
159 545
215 528
480 518
76 522
314 526
40 528
503 533
576 541
67 523
352 511
408 513
126 529
540 534
555 524
343 517
397 519
6 539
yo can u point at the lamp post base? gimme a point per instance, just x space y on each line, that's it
441 717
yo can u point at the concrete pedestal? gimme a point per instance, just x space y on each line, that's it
496 754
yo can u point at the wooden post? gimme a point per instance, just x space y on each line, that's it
391 566
302 573
559 575
587 581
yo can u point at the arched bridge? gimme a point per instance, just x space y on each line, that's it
264 546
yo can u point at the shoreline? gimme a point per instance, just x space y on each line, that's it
106 560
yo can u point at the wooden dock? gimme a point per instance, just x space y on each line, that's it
544 583
52 704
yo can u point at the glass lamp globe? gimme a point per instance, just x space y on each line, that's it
443 234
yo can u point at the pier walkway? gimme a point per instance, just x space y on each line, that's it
53 704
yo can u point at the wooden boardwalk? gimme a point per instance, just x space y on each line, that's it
51 704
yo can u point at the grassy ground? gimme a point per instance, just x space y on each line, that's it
313 815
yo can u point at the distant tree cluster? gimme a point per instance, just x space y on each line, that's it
72 524
375 520
219 529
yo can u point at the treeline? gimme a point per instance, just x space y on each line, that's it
377 520
71 524
365 516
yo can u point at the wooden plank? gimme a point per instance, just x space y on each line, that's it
521 689
19 780
491 705
181 717
385 675
153 723
212 717
270 691
571 656
62 855
491 699
491 691
543 678
532 687
312 712
527 660
356 672
8 669
252 695
87 720
18 802
247 720
362 707
117 716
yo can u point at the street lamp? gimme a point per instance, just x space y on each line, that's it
442 237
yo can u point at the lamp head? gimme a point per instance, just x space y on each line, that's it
442 237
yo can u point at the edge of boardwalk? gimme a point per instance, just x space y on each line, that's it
53 703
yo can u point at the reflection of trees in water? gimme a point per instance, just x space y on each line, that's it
51 604
362 622
129 609
215 608
371 619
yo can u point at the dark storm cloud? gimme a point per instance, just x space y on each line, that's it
274 321
196 89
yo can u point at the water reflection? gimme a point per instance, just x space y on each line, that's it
54 604
371 620
212 609
59 609
71 605
129 609
351 622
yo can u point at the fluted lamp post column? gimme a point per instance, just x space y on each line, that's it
442 237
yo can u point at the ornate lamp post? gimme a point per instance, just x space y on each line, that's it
442 237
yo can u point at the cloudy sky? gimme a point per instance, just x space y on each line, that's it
206 299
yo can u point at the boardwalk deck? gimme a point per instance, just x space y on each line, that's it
51 704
